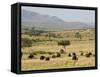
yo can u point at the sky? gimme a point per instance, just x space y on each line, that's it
68 15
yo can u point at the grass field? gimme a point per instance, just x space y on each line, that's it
48 46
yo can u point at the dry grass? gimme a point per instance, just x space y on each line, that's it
64 61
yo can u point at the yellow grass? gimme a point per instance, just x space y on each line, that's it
64 61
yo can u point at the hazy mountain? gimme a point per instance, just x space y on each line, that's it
49 23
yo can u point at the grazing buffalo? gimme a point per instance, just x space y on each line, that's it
81 53
69 55
54 56
42 57
88 54
58 54
74 56
47 58
30 56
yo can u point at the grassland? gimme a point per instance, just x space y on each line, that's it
46 45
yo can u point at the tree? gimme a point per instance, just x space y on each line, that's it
26 29
78 35
49 35
32 30
64 43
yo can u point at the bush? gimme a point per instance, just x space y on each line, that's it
40 52
43 52
78 35
50 53
26 42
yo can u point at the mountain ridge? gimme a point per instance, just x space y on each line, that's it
49 23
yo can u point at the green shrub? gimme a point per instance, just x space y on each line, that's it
64 43
26 42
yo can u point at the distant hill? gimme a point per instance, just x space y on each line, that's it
49 23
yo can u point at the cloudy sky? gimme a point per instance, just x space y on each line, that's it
69 15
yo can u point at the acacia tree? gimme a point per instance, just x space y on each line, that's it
64 43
